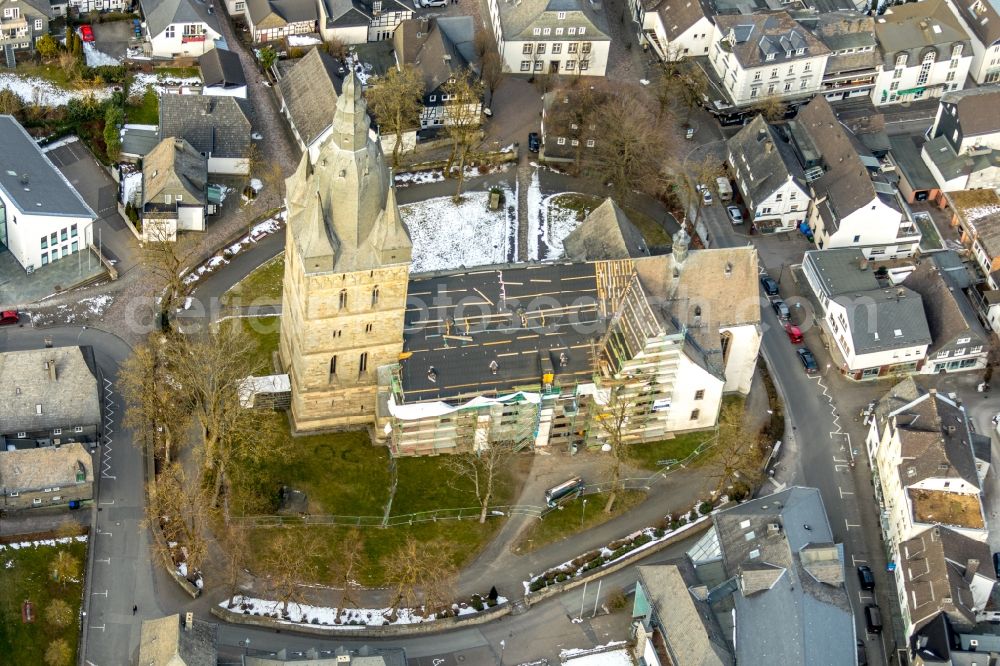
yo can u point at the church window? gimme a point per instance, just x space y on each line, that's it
375 296
333 367
363 363
343 299
368 327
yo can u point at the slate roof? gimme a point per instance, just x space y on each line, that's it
844 30
222 68
948 311
840 270
758 35
867 123
906 149
288 11
952 165
164 642
34 469
980 211
43 7
886 319
606 233
982 17
213 125
679 15
817 626
692 631
161 13
519 19
846 181
771 160
70 400
46 192
310 90
911 28
946 572
344 13
977 107
439 48
174 165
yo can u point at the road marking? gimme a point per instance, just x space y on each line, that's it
849 526
857 559
840 468
100 532
111 502
101 594
843 492
838 460
106 561
109 409
94 626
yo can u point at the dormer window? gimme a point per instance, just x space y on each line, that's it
770 56
800 51
901 60
561 15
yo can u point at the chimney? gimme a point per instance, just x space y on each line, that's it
188 621
50 365
425 25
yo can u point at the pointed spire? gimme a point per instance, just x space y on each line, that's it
350 119
681 243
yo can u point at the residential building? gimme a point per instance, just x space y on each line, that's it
943 572
46 476
977 216
767 171
363 656
44 218
877 329
958 340
569 128
307 93
924 466
174 190
981 20
273 20
440 49
674 620
222 74
854 59
766 56
178 640
87 6
217 127
52 397
937 642
551 36
360 21
853 204
968 120
180 28
22 22
675 29
772 562
925 52
977 169
667 335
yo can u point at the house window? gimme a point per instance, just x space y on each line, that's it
64 233
36 501
590 143
699 394
963 341
525 65
240 6
75 246
584 64
546 31
960 351
574 142
11 12
170 32
770 56
45 258
540 50
788 86
538 65
695 413
570 31
571 64
561 15
857 239
976 350
57 431
951 76
894 85
770 89
526 49
556 48
573 47
77 428
583 30
808 67
432 98
193 30
343 299
363 363
791 70
38 24
45 242
72 231
13 493
536 31
375 296
561 141
585 47
804 84
559 31
901 60
957 51
753 92
22 435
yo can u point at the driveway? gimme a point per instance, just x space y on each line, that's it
113 38
100 191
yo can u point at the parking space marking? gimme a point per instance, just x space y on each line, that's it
858 560
843 492
849 526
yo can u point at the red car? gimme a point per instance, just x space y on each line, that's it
794 333
86 33
8 317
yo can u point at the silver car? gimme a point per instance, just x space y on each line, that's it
734 214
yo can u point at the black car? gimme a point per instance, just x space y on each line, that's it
533 143
808 360
781 309
770 286
866 577
996 563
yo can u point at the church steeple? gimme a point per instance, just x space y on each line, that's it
350 120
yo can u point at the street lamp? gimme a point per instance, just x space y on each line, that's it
583 512
246 645
503 644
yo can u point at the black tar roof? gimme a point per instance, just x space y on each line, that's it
459 323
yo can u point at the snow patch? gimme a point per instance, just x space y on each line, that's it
302 40
72 138
256 185
601 655
131 185
557 222
979 212
437 175
31 89
18 545
159 83
96 58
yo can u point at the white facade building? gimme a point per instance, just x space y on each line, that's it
44 218
981 21
673 30
180 28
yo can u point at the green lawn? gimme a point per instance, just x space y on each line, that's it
648 454
575 516
177 72
26 575
261 287
50 72
147 112
265 331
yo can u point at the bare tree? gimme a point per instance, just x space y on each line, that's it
690 179
290 563
350 557
421 574
483 469
574 115
181 511
613 422
58 653
463 117
738 458
681 83
164 261
236 553
153 407
771 107
58 613
266 169
396 100
488 58
65 568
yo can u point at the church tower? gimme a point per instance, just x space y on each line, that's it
347 262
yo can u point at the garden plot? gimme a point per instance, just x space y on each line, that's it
33 90
447 236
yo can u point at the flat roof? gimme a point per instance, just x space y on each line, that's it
458 324
940 506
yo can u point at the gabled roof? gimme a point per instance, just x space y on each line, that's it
33 469
30 180
769 157
344 13
166 642
310 90
519 19
606 233
885 319
174 165
756 36
982 18
976 108
438 48
215 126
287 11
679 15
43 7
161 13
949 312
842 31
35 401
910 27
222 68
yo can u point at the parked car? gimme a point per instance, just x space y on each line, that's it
689 133
996 563
862 654
533 143
808 360
873 619
734 214
866 577
86 33
706 197
794 333
769 285
9 317
781 309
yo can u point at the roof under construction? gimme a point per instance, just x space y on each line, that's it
494 331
